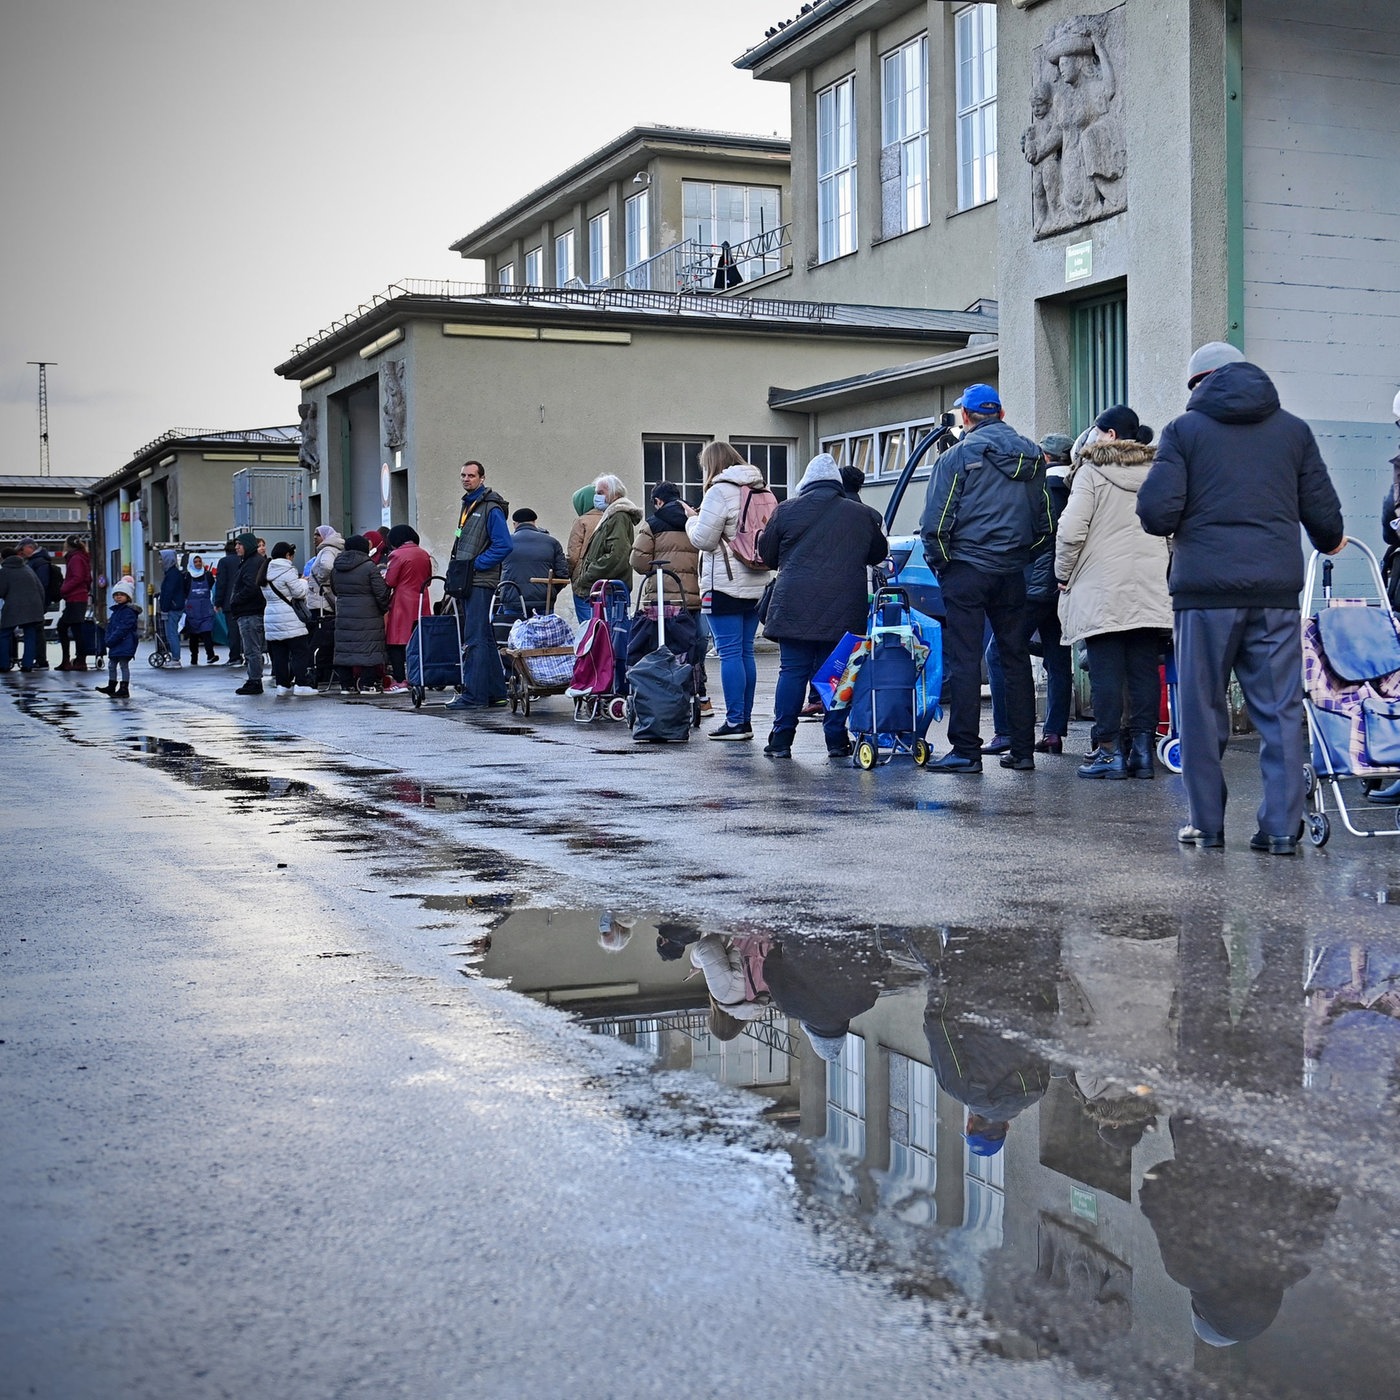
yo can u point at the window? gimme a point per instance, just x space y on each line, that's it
674 459
714 214
1099 372
913 1169
977 104
564 258
984 1195
638 234
904 153
881 454
505 275
534 267
836 170
599 253
772 459
845 1098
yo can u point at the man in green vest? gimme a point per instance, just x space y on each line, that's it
481 542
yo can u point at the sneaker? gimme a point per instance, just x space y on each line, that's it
305 690
249 688
234 661
732 732
281 690
707 710
393 687
173 663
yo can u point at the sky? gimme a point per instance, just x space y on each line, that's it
189 189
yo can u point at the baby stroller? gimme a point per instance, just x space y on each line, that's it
892 682
433 658
1351 694
599 684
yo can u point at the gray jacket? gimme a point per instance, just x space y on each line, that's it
22 592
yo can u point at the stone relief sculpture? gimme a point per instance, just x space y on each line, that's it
308 454
395 406
1076 142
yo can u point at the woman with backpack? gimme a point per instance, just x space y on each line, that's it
736 506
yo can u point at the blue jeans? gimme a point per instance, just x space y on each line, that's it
738 672
583 609
798 662
32 634
172 633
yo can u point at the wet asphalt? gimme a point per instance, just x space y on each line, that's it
278 1125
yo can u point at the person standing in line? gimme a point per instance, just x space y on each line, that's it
123 635
246 606
174 588
1234 478
1113 580
534 553
224 578
361 600
75 593
1389 794
410 568
199 611
588 514
328 544
986 516
610 545
480 544
822 543
22 597
50 579
288 635
729 589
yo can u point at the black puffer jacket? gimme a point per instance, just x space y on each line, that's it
821 544
361 600
1233 479
825 983
245 597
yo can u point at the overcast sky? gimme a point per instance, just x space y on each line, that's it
190 188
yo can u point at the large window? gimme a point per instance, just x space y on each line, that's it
638 233
732 214
845 1098
904 142
599 252
505 275
977 104
773 459
564 258
881 453
836 170
673 459
534 267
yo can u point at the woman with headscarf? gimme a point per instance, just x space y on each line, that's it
410 568
589 513
199 611
361 599
821 542
1113 592
321 602
378 547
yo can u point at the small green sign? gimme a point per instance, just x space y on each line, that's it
1084 1204
1079 261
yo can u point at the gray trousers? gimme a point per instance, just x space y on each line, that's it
1263 646
250 629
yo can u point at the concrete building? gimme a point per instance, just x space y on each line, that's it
45 508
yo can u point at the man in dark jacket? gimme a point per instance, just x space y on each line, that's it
821 543
245 608
174 590
986 516
1233 479
22 595
50 578
481 543
224 579
534 553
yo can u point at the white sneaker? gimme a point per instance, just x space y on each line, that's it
174 664
282 690
305 690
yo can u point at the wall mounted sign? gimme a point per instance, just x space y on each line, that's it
1079 262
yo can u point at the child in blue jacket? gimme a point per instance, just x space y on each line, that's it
123 632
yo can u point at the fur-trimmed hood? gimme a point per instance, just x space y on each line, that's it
1120 461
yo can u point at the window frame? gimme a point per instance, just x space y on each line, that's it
505 274
838 232
566 268
535 256
690 478
912 141
600 247
771 262
636 217
746 445
975 68
870 448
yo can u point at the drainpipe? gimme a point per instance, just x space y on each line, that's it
1234 172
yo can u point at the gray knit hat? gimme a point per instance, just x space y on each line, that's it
1211 356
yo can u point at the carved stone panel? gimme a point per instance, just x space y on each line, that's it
308 454
1076 143
395 406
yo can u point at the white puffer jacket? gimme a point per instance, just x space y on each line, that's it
280 622
723 967
718 521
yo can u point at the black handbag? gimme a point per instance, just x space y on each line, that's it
459 577
303 614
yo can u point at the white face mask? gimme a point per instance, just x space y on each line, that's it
1095 435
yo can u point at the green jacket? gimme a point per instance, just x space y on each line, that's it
609 552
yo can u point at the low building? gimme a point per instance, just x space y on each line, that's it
45 508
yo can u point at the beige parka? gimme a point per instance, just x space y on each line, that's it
1116 573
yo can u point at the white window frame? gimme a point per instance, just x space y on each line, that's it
751 447
600 247
534 267
709 232
882 451
976 97
505 275
637 233
565 266
837 232
904 117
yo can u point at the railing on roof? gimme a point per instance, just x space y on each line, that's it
260 436
770 1029
692 266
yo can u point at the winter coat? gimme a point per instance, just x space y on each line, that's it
580 534
995 1077
123 631
280 621
722 966
1040 572
23 594
1115 572
1234 478
199 605
319 596
77 577
41 562
663 537
410 567
174 587
716 523
361 600
225 573
986 503
610 548
245 597
825 983
535 553
821 542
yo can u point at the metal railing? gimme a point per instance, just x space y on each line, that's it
770 1030
692 266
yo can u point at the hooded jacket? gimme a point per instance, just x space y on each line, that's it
987 504
410 568
226 573
123 631
1233 479
1114 571
361 600
663 537
582 529
23 594
174 583
77 577
717 522
245 597
280 622
321 572
610 549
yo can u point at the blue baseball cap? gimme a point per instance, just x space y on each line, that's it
982 1146
980 398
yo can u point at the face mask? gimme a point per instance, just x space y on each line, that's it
600 501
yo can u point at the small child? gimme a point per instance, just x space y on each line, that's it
123 631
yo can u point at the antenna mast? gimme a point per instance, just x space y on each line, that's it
43 414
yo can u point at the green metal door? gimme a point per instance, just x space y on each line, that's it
1100 377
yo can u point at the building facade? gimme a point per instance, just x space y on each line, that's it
44 508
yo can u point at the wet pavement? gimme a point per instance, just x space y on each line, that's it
1194 1052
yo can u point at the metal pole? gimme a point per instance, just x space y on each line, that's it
43 413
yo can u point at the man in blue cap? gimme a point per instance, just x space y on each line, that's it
986 515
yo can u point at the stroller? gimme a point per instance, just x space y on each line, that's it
891 682
1351 694
599 684
433 658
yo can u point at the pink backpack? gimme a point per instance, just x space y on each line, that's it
756 507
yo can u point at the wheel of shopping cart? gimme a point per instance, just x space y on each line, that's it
1169 752
1319 828
921 752
156 659
617 707
417 694
1309 780
865 755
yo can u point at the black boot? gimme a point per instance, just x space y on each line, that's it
1104 763
123 691
1139 763
109 689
